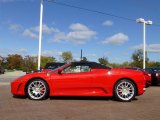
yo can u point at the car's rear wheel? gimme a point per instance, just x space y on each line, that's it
124 90
37 89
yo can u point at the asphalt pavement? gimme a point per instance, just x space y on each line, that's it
144 107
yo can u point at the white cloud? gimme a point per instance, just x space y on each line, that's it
33 32
59 37
79 34
15 27
116 39
153 48
107 23
45 29
78 27
51 53
29 33
6 52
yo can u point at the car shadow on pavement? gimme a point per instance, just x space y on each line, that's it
81 98
77 98
19 97
155 85
87 98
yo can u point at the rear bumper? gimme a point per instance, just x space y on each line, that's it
141 88
148 83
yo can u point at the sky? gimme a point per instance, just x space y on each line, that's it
72 29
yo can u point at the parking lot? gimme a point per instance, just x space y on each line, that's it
145 107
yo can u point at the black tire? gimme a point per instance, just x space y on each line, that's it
124 90
37 89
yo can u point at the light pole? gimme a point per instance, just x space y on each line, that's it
141 20
81 54
40 34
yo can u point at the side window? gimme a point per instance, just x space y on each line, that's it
76 69
85 69
71 69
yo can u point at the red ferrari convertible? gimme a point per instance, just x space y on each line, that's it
81 79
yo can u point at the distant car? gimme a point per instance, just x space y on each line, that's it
2 70
155 75
146 73
81 79
52 66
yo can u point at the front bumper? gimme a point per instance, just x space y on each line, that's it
18 88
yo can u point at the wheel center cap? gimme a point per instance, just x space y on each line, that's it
125 91
37 89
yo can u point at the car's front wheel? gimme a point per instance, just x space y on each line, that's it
124 90
37 89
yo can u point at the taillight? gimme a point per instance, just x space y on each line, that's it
148 74
157 75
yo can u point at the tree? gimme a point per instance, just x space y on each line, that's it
67 56
84 59
46 59
153 64
14 62
29 64
114 65
103 60
1 60
126 63
137 58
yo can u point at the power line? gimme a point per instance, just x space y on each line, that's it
95 11
86 9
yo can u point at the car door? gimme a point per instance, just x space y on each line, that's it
100 82
73 80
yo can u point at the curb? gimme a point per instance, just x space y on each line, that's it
4 83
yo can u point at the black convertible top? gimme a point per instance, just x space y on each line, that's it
91 65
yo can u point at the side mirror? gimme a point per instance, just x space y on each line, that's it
59 71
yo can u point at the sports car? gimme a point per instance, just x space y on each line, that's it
81 79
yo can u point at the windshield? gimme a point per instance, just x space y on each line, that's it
63 66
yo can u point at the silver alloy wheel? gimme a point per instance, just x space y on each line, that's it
125 90
36 90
